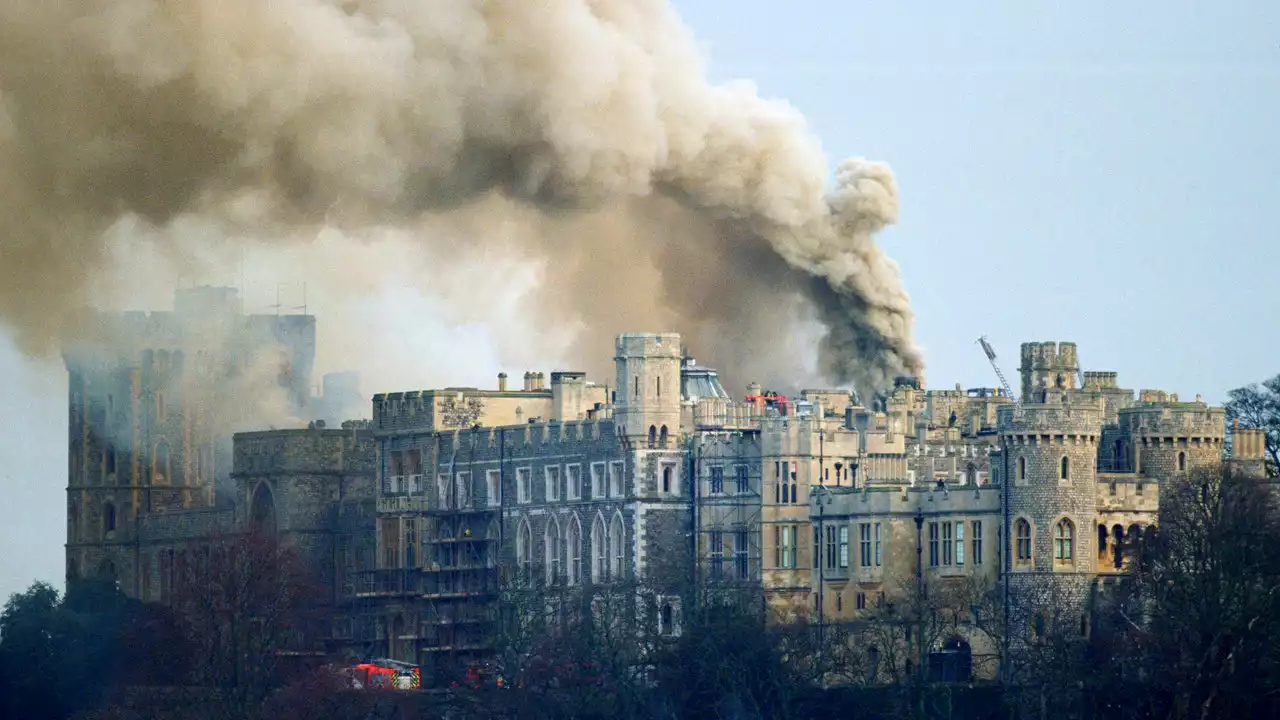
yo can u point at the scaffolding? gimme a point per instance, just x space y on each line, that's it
727 507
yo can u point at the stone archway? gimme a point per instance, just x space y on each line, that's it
262 509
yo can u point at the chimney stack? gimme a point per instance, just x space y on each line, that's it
528 381
502 382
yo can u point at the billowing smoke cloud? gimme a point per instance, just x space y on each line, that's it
578 133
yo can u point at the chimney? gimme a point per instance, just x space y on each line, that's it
528 381
502 382
540 381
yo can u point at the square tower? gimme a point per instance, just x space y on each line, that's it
647 404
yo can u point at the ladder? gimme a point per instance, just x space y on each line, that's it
991 356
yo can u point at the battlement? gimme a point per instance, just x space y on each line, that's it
1049 356
1171 419
1094 380
631 345
1077 418
310 450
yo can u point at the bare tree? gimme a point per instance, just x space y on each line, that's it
245 602
1200 617
1258 406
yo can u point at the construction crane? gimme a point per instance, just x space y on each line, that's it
991 355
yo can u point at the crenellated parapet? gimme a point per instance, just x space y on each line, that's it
1083 420
1174 421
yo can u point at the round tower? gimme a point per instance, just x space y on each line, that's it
1171 438
1048 365
647 404
1049 456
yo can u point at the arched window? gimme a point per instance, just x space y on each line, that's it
109 518
618 547
262 511
666 478
1117 545
653 436
1102 542
1022 535
1064 541
1022 468
599 551
1182 462
552 549
667 615
573 556
1065 471
524 549
662 437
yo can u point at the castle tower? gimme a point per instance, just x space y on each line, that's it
648 396
1048 365
1166 438
1050 451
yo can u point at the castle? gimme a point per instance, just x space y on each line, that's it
829 508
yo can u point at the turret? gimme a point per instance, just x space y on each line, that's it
647 405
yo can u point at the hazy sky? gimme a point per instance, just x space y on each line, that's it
1104 173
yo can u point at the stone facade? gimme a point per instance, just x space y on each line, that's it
419 522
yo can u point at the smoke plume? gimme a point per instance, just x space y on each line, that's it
581 134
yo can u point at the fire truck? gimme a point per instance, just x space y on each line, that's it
388 674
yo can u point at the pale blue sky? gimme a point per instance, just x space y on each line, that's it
1101 172
1098 172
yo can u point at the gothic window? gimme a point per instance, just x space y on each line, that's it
573 556
617 547
599 551
552 549
1022 468
1182 462
653 436
1064 538
1022 535
524 548
109 518
662 437
666 479
1065 470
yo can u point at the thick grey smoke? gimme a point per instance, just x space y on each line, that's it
659 200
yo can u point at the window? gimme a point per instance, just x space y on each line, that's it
1022 469
816 548
552 550
616 546
524 549
715 542
662 437
1138 489
861 601
864 545
839 602
637 386
1112 490
1182 462
464 489
740 557
668 486
933 544
573 477
717 480
831 548
844 546
653 436
109 518
524 485
1064 472
658 385
743 481
573 544
493 487
615 479
877 544
785 546
960 543
552 482
946 544
1022 535
599 551
977 542
1064 541
597 480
